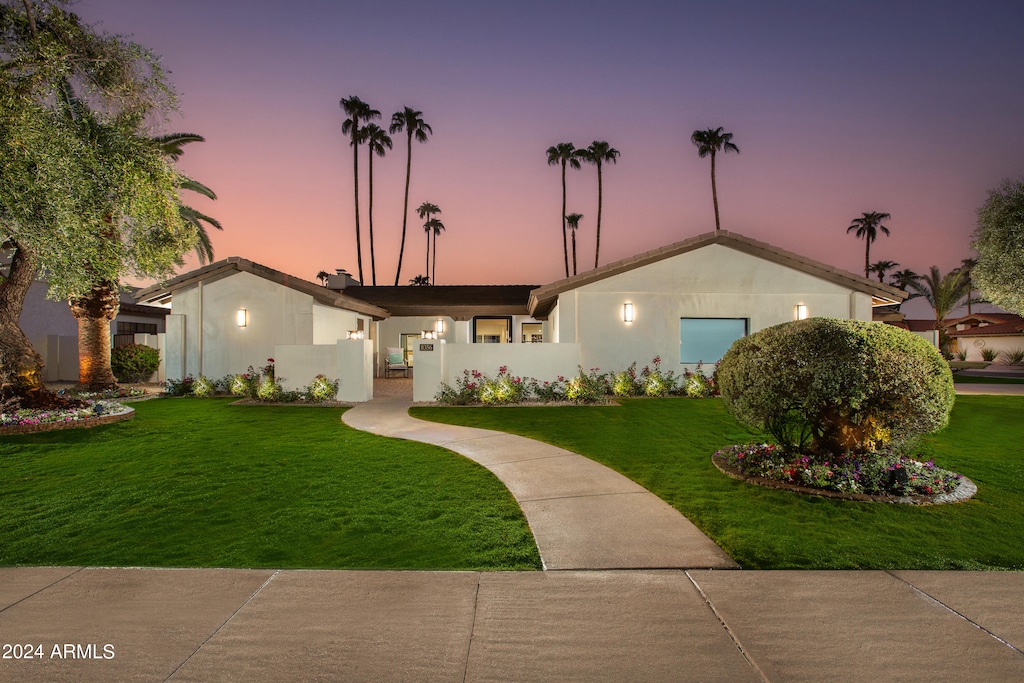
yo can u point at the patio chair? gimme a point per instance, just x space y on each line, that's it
395 362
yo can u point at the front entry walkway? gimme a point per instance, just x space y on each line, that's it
582 514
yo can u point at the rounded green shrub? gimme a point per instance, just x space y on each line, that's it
322 389
134 362
269 390
203 387
830 386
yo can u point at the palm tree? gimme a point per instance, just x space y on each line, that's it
437 227
598 153
711 142
904 278
573 220
564 153
867 227
881 268
172 145
431 226
426 211
967 265
322 276
420 281
357 112
411 121
944 293
377 143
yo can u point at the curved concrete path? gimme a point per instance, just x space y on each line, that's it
583 515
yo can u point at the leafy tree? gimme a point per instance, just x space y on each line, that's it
411 121
598 154
322 276
867 227
709 143
357 112
573 220
943 293
564 154
999 241
827 386
377 142
84 198
880 268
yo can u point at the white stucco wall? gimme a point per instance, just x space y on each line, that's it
277 315
331 324
999 344
712 282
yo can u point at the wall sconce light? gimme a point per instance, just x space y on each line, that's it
801 312
627 312
242 317
428 334
356 334
439 326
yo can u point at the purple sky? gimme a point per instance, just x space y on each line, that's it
910 108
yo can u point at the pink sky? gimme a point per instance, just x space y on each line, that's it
907 108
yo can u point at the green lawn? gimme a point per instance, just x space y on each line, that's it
666 445
201 483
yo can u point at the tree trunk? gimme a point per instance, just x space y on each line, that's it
426 273
405 207
565 242
714 192
355 182
369 218
600 190
573 252
94 312
867 256
433 274
21 378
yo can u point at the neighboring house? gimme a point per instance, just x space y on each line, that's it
998 332
685 303
53 330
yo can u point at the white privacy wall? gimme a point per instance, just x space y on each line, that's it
712 282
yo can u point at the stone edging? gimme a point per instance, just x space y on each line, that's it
85 423
964 491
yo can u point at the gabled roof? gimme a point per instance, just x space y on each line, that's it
543 299
456 301
164 291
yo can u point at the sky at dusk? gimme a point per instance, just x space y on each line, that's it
911 108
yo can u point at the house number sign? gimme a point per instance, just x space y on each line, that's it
426 347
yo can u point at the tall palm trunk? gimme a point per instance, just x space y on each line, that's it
600 190
867 257
405 205
433 274
21 367
427 271
565 245
369 217
94 313
355 182
573 252
714 192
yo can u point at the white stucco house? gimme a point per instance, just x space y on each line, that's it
1001 333
685 303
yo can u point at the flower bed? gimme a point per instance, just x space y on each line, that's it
883 476
93 414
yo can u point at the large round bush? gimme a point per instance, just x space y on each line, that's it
828 386
134 362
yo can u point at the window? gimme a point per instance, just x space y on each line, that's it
707 339
533 333
126 332
492 329
409 342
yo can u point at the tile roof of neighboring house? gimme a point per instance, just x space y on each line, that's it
543 299
456 301
233 264
1008 325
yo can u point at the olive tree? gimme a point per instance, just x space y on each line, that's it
828 386
999 241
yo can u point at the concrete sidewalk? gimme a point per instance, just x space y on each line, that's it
668 625
583 515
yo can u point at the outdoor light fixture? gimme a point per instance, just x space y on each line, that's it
439 326
242 317
801 312
627 312
355 334
428 334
